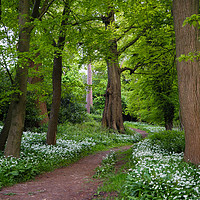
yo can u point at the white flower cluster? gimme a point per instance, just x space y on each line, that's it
129 138
159 173
34 150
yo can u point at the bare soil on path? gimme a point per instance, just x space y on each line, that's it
73 182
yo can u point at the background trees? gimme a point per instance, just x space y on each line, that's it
132 48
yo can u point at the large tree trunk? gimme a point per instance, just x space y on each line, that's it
89 99
112 115
19 101
187 40
57 73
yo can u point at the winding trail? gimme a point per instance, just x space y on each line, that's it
73 182
143 133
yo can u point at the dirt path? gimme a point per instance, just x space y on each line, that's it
143 133
73 182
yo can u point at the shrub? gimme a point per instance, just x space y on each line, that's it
171 141
72 110
96 117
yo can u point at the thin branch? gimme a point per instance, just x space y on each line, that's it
4 64
127 30
139 64
133 41
45 8
35 12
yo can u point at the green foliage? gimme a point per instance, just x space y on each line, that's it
171 141
192 20
95 117
190 56
99 81
152 94
72 110
32 118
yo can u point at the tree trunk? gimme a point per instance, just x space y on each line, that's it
89 90
188 77
57 73
168 115
43 112
112 115
5 131
19 101
53 121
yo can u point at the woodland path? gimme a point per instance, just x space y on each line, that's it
73 182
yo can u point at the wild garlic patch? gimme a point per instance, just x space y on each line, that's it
72 143
157 174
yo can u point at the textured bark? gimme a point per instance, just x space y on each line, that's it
5 131
112 115
89 99
19 101
57 73
188 77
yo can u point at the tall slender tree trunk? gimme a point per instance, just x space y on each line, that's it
19 101
89 99
187 40
57 73
112 115
53 121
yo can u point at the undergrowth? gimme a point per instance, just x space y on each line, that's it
73 142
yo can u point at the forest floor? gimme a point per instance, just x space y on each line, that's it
73 182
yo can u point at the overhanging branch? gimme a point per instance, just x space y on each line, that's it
139 64
45 8
133 41
127 30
